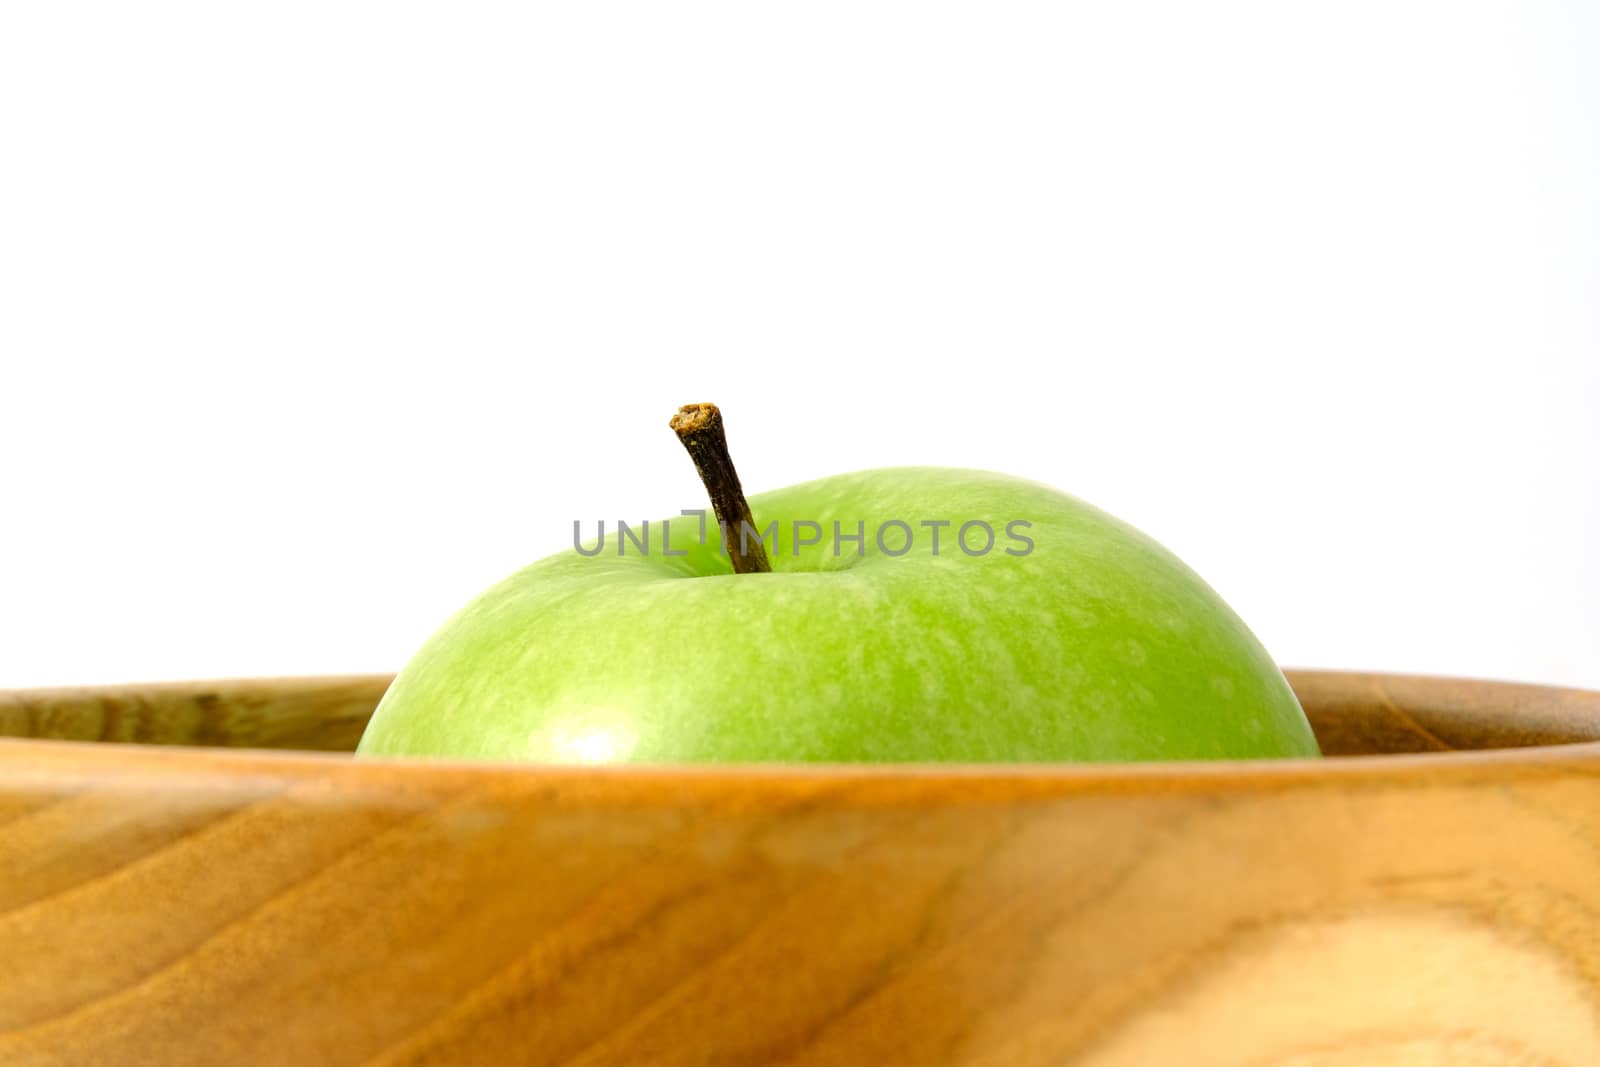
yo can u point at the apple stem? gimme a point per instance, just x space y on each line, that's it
699 427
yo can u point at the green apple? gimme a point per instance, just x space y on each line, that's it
1071 636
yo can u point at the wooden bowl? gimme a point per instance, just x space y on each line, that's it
1430 896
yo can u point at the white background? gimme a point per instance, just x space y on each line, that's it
316 318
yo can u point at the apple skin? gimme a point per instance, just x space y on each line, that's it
1096 645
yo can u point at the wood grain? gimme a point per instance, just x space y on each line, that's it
162 905
308 714
1371 714
1353 714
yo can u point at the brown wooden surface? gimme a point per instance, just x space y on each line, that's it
183 906
1353 714
309 714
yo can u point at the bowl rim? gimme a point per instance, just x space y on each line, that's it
25 759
